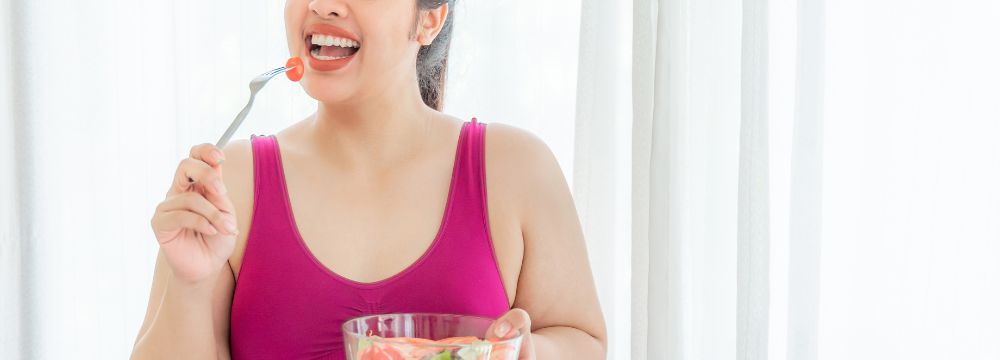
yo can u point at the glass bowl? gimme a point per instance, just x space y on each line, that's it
426 337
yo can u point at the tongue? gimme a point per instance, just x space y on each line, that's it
335 51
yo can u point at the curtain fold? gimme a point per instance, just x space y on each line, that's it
806 189
686 160
602 155
644 37
11 239
753 228
648 319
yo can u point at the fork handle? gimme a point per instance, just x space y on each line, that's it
236 124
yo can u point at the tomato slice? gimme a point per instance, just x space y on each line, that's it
297 69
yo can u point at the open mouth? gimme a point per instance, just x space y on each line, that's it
330 47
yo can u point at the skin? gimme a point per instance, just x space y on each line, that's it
392 157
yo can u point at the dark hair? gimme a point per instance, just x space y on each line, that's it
432 60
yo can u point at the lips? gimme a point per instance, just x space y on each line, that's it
329 48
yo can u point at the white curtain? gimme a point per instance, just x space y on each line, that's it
780 179
815 180
10 245
602 159
686 148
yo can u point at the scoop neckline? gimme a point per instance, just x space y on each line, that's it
398 275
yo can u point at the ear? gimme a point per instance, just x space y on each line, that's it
430 23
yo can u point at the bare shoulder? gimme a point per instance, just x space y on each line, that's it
237 173
521 164
514 141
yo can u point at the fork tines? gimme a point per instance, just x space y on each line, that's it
275 71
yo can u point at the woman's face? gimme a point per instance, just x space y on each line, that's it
374 46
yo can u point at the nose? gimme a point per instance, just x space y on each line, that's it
328 9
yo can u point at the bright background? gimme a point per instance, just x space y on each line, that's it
782 179
110 95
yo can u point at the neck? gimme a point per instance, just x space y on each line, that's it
375 133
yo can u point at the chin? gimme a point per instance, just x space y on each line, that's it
326 91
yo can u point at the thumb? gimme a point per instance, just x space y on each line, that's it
507 326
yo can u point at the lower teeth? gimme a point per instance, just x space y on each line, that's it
315 54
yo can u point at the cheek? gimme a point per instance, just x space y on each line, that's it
387 60
295 13
392 44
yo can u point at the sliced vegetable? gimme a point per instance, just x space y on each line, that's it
444 355
408 348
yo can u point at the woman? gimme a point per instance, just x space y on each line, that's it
266 256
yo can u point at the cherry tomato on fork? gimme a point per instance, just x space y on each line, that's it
298 69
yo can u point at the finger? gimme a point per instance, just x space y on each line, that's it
209 182
208 153
223 203
193 171
182 219
510 323
192 201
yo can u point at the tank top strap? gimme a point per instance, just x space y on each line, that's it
273 229
469 200
468 229
267 175
467 221
475 161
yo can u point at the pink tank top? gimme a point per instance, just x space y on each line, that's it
288 305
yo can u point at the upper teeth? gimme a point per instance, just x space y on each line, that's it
330 40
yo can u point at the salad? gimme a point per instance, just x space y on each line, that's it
407 348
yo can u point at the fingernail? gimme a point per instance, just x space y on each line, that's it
503 328
220 188
231 227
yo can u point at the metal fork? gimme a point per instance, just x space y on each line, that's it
255 85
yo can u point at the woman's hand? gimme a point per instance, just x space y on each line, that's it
508 325
196 224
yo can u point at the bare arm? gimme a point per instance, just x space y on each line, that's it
186 321
556 287
185 318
